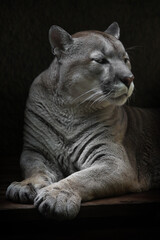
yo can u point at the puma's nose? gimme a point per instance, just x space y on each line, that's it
127 80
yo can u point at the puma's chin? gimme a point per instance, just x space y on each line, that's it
120 100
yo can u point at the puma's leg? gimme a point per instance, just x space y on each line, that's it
62 199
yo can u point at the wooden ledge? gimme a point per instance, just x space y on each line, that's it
132 216
129 205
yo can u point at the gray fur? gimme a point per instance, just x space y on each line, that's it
80 142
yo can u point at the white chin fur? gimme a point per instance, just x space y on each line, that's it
130 90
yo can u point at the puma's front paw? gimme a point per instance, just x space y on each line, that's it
26 191
57 202
21 192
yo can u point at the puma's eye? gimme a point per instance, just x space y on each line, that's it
101 60
126 60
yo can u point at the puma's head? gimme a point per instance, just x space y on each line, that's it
93 65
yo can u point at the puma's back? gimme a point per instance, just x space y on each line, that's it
142 141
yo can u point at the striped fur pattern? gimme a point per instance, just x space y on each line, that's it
80 142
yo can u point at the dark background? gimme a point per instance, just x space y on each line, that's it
25 50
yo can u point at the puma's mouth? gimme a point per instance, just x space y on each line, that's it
117 98
121 96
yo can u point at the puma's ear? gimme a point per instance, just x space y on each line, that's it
59 39
114 30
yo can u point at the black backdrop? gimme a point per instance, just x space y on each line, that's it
25 50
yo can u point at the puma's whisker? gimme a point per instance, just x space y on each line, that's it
82 95
133 48
91 97
101 98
